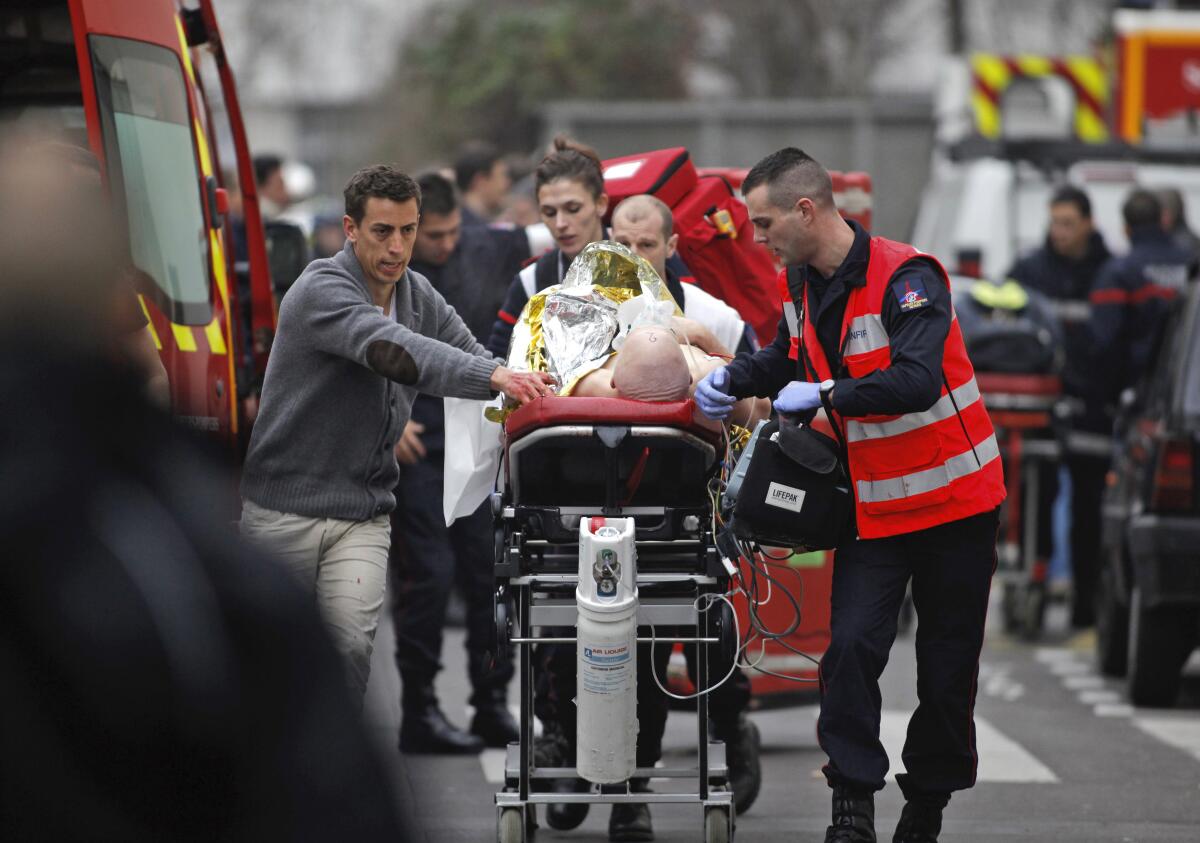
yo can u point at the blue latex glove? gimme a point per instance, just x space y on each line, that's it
797 397
711 397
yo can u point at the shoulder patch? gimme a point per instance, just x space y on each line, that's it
911 294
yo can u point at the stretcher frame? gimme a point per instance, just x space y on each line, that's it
536 575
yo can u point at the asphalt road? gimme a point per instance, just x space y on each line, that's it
1062 757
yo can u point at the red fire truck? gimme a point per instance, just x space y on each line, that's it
145 85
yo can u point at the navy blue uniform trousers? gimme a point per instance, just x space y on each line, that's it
951 568
427 560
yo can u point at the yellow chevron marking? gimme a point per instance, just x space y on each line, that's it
1090 75
183 337
150 323
215 337
1032 65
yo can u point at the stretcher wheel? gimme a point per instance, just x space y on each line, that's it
503 616
516 825
717 826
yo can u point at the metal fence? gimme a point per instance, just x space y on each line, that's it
889 138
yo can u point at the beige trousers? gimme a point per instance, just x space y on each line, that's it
342 563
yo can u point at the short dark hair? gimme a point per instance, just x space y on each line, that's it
1141 208
382 181
265 166
573 161
1069 194
437 194
791 175
474 158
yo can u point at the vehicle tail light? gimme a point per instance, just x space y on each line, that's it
1174 477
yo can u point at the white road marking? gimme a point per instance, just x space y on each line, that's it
1113 710
1180 733
492 761
1098 696
1082 683
1070 668
1050 655
1001 759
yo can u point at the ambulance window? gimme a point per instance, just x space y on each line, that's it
152 163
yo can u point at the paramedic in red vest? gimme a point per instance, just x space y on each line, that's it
868 322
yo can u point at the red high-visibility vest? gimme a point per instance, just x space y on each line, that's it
915 470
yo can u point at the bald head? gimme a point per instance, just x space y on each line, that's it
635 209
651 366
791 175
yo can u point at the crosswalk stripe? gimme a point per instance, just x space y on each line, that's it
1001 759
1179 733
492 761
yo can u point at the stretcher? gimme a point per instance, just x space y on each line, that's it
566 459
1024 412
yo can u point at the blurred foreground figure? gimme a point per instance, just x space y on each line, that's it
159 680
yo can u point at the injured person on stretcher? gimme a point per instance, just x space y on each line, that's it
657 363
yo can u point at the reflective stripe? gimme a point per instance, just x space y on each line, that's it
930 479
1090 444
183 337
865 334
216 340
528 277
789 313
1071 310
150 323
943 408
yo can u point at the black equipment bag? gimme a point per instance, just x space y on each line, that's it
795 492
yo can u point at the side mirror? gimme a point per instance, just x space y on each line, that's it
287 254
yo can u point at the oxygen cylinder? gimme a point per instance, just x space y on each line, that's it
606 650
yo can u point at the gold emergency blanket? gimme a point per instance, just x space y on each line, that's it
568 329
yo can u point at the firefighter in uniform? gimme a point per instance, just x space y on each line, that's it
868 326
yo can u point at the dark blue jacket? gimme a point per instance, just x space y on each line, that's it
917 338
1067 283
1131 300
473 281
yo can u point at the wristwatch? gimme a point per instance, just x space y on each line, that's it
826 387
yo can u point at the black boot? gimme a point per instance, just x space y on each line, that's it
742 742
424 729
565 816
919 823
493 722
630 821
853 817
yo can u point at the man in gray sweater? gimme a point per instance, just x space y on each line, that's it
359 336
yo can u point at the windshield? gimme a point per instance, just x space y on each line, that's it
148 143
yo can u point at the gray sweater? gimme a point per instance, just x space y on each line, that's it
339 386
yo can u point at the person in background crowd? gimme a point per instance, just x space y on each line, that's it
1064 269
483 181
644 225
328 236
1174 221
360 334
1132 296
470 266
159 677
520 206
273 198
569 185
868 329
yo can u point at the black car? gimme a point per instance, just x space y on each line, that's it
1149 594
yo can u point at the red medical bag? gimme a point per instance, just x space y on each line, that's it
716 239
